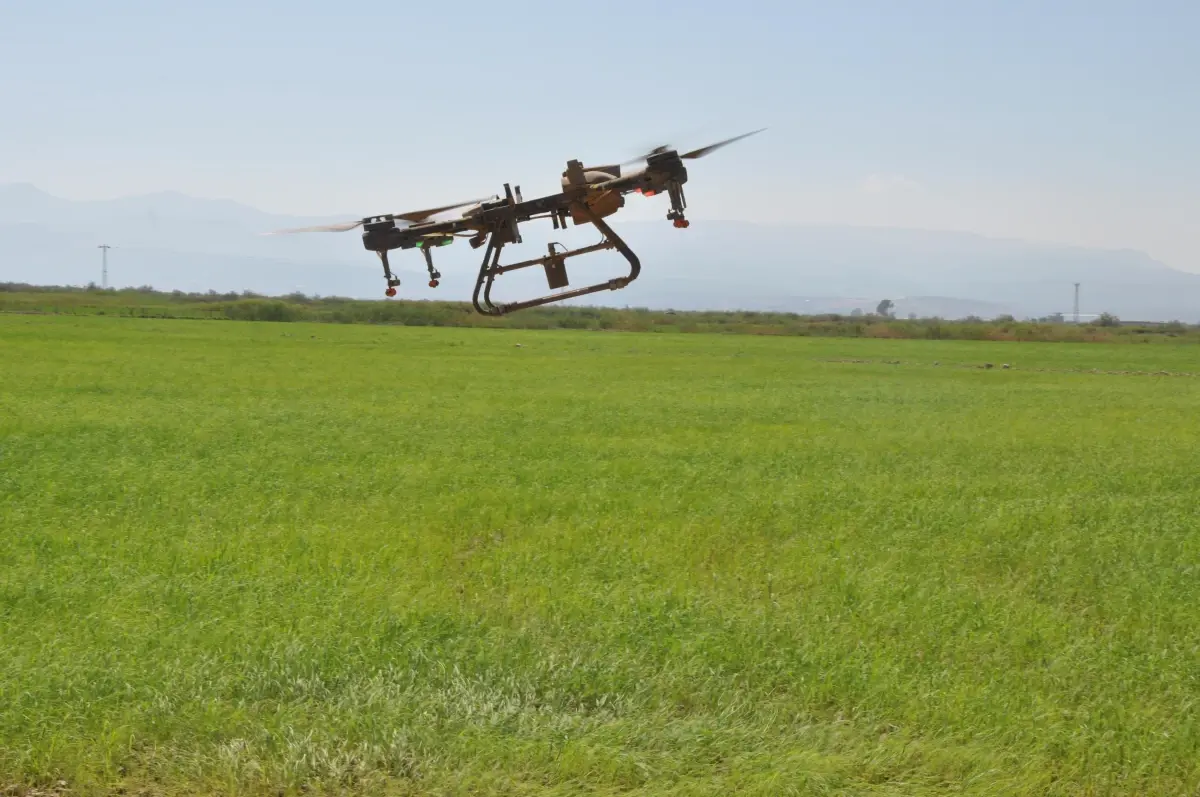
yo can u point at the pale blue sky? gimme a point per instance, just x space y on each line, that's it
1058 120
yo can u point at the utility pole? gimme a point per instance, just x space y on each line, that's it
1076 302
104 266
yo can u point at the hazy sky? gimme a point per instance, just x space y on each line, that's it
1058 120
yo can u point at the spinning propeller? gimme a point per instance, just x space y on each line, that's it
696 153
413 217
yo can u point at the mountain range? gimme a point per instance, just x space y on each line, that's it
176 242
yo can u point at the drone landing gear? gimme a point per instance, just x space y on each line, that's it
434 274
392 280
554 264
678 204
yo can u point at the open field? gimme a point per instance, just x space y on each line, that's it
146 303
253 557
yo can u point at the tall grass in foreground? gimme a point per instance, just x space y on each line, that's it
254 557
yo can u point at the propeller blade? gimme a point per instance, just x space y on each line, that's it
696 153
343 227
700 153
641 158
420 215
412 216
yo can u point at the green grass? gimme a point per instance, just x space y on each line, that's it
296 307
253 557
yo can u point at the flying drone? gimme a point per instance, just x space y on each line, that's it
589 194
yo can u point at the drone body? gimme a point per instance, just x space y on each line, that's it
588 196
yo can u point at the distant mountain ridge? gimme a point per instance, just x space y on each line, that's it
174 241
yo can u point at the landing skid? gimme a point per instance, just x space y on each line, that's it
555 266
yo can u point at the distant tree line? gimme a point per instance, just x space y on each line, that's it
145 302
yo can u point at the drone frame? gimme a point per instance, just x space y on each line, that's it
589 194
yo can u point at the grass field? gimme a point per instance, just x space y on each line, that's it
145 303
254 557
